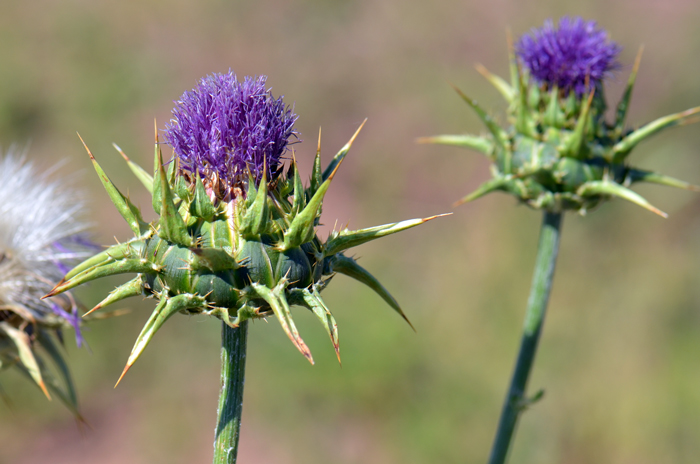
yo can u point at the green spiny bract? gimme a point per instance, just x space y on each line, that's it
559 152
239 258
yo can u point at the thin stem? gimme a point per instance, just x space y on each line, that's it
516 402
233 351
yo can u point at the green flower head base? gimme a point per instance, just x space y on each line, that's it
237 257
559 152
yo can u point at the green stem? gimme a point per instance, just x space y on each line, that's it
233 351
516 402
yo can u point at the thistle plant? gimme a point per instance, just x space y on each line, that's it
235 238
41 237
558 154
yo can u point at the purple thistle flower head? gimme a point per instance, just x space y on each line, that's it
224 127
575 53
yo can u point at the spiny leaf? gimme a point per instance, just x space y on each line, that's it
129 212
489 186
277 301
624 146
172 226
256 217
132 249
24 350
312 300
573 145
145 178
512 63
340 241
110 268
156 199
301 230
338 158
47 343
523 122
614 189
638 175
502 86
55 388
349 267
299 202
480 144
499 135
552 114
134 287
165 309
316 174
623 106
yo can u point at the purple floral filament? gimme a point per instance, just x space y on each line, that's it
576 55
224 128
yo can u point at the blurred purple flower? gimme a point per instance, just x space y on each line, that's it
223 126
569 55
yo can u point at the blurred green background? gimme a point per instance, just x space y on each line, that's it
620 354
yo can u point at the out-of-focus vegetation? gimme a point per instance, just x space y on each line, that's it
620 354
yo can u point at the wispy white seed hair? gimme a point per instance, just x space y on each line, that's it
41 238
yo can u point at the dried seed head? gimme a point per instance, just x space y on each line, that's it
41 236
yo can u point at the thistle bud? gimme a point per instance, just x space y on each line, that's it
560 153
236 237
41 236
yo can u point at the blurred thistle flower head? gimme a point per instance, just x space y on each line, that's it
41 236
560 152
576 55
222 128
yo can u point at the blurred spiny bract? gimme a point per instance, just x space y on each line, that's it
41 237
559 152
236 234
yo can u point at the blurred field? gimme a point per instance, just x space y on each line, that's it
620 354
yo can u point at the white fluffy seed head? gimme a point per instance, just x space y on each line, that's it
41 227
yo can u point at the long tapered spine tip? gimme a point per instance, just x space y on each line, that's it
121 152
86 147
126 369
509 40
42 385
348 145
357 132
689 112
658 211
318 149
464 200
638 60
92 310
54 291
457 89
336 347
424 220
